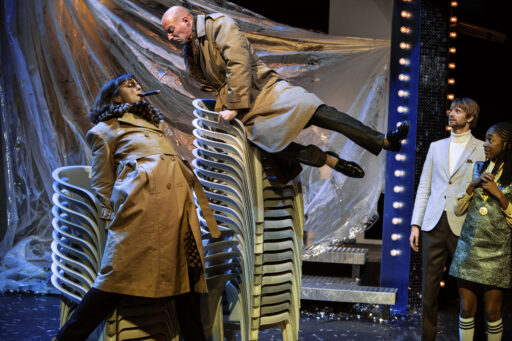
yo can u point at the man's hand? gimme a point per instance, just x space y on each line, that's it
226 115
415 238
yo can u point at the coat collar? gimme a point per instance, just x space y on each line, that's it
139 122
201 20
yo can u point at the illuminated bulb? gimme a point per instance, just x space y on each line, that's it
402 109
396 221
453 34
398 204
452 50
396 236
405 29
451 81
395 252
448 128
405 14
403 78
398 173
405 46
454 4
453 19
451 65
442 284
398 189
403 93
404 61
451 97
400 157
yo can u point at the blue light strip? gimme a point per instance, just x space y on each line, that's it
399 190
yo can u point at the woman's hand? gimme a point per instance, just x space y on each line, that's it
226 115
478 182
489 186
487 183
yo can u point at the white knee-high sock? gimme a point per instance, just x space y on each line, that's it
494 330
466 328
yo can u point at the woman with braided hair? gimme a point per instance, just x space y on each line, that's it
482 260
153 246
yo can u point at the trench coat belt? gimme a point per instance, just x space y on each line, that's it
202 200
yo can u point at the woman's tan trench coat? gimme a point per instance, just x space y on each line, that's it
145 191
273 111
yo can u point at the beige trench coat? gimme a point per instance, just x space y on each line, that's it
145 191
273 111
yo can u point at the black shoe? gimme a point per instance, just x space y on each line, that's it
347 168
396 135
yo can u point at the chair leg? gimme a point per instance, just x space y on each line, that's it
217 328
287 331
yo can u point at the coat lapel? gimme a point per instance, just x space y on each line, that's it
470 147
444 153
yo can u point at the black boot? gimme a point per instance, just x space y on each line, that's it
395 136
347 168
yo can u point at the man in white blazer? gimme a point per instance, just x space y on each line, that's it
448 160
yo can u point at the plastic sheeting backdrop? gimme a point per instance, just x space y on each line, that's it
56 54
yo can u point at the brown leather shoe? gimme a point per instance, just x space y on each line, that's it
348 168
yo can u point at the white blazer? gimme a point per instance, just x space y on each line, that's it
438 189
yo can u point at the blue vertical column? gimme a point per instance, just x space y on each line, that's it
399 190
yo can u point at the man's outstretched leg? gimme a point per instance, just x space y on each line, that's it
328 117
311 155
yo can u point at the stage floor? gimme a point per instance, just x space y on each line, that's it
36 317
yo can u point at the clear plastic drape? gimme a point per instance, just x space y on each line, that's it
56 54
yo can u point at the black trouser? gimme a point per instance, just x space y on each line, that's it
97 305
329 118
437 245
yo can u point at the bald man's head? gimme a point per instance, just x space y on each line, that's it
177 21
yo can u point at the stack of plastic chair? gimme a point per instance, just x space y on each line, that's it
222 262
78 241
282 257
78 235
225 167
261 287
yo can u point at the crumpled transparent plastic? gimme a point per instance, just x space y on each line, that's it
57 54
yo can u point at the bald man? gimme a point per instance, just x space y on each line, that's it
218 55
